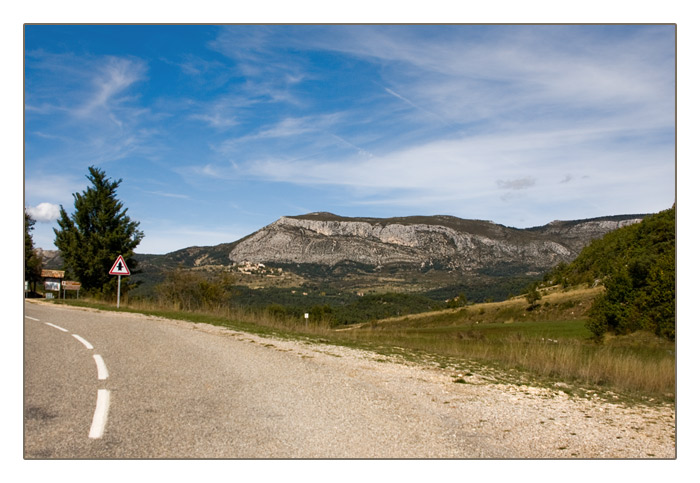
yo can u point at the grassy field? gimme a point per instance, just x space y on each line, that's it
553 351
547 345
549 342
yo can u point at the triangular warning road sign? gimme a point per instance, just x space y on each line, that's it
119 267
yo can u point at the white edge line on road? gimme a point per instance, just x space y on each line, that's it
30 318
102 373
83 341
99 420
56 327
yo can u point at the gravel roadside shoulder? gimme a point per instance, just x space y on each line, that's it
518 420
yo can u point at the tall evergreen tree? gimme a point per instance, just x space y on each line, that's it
32 262
95 234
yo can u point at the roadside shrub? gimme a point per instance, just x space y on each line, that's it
189 290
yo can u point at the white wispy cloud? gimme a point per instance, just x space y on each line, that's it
169 195
80 85
291 126
90 106
216 118
415 106
113 78
499 71
302 135
476 170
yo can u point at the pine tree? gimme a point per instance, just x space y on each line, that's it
95 234
32 262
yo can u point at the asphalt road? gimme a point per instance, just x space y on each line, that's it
165 390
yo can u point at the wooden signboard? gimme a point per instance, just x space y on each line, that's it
53 273
69 285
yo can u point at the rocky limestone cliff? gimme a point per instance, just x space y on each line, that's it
419 243
50 259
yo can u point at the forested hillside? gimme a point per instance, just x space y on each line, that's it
637 265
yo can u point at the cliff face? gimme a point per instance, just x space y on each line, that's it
420 243
51 259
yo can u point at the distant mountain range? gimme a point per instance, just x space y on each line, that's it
418 243
418 253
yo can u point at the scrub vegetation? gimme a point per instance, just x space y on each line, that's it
637 266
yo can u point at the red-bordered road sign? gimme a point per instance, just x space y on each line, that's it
119 267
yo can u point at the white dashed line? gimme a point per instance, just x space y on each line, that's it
102 373
83 341
99 420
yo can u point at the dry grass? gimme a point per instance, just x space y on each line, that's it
631 370
550 342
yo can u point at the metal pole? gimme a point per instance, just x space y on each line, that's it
119 288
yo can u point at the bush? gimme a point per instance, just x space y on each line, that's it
189 290
532 295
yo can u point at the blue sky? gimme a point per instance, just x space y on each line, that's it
217 131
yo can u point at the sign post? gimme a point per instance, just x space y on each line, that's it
52 281
119 268
70 285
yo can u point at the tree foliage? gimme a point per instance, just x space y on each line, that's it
192 290
95 234
637 265
189 290
532 295
32 262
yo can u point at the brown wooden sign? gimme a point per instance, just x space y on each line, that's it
69 285
53 273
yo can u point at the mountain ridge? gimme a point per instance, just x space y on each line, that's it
458 244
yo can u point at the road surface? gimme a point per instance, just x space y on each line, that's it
116 385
